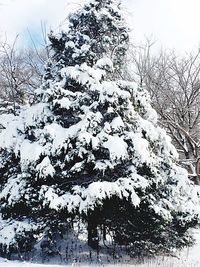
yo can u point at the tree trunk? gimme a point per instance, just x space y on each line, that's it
93 240
198 171
104 232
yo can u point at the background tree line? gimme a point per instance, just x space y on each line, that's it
173 82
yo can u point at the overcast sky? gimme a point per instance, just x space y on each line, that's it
172 23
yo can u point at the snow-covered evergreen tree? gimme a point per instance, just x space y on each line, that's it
90 146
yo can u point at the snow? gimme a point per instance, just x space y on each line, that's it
141 148
6 119
84 74
86 198
187 257
45 168
35 113
10 135
117 147
63 102
9 230
117 124
30 152
105 63
110 91
14 190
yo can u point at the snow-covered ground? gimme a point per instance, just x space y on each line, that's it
189 257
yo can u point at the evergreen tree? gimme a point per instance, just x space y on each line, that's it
90 146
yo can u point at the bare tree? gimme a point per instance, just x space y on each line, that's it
13 76
140 62
21 72
174 85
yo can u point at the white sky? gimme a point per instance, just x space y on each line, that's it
173 23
